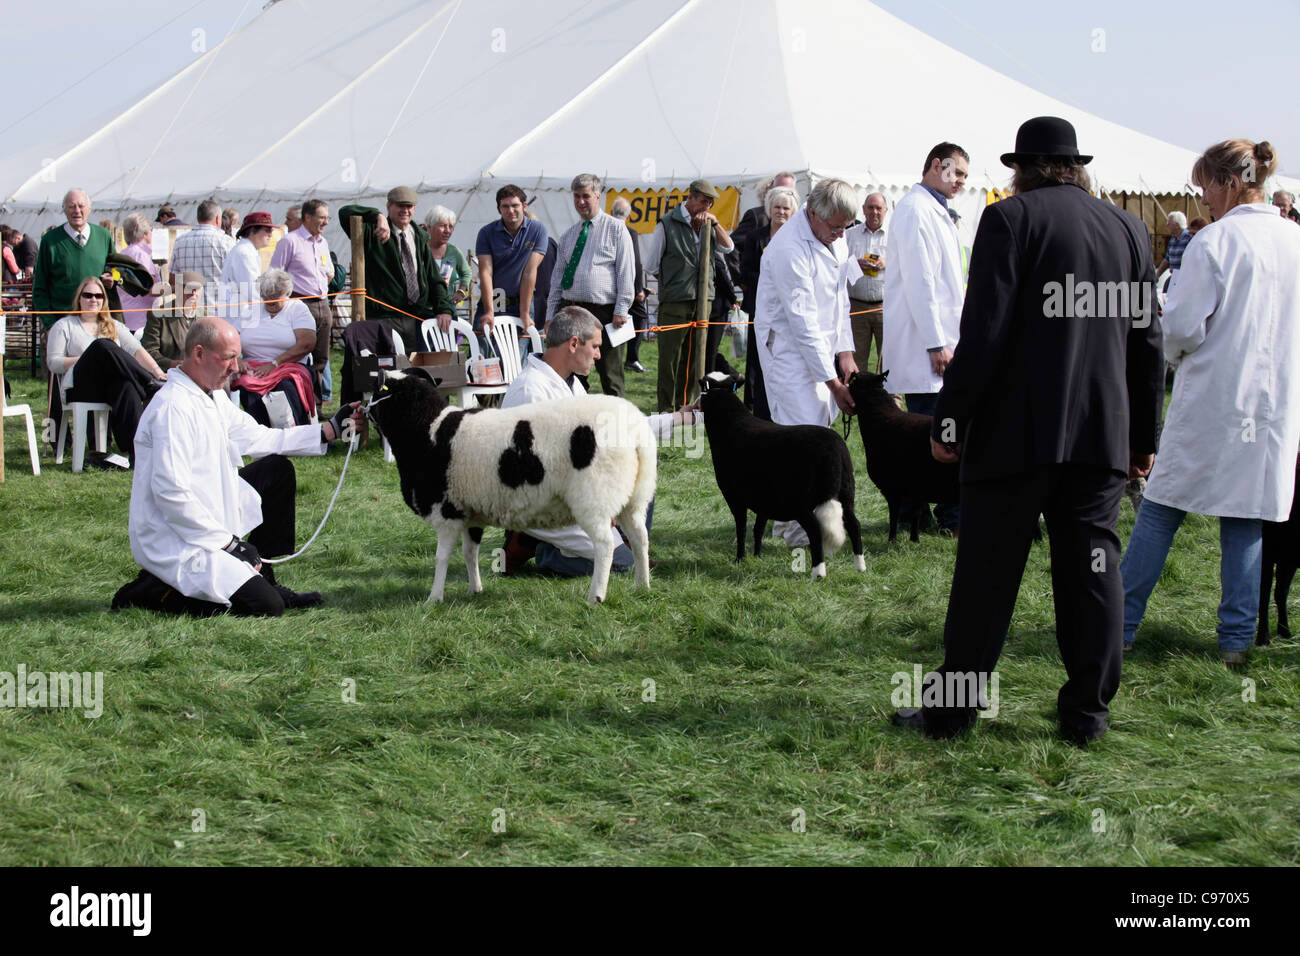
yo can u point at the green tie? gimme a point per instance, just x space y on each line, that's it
571 269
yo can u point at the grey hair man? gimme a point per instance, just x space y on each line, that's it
597 272
73 252
1179 237
867 245
203 250
622 209
1285 203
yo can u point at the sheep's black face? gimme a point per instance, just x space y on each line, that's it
866 384
405 399
715 401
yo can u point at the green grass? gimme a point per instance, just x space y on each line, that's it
771 693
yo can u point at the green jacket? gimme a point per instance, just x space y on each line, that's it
61 264
385 279
678 264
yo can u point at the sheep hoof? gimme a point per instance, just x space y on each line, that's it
819 571
859 563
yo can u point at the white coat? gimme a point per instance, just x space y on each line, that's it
801 321
187 498
924 289
239 275
1232 327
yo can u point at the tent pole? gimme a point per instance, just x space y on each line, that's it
358 230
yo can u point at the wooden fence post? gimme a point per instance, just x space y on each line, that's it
358 230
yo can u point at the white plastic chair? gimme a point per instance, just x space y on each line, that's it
505 337
25 412
80 412
435 339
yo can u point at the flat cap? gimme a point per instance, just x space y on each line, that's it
704 188
403 195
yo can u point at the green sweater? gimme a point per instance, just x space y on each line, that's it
459 268
61 264
385 279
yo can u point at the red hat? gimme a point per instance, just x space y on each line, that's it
255 220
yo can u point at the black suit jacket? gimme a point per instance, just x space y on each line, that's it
1038 379
638 311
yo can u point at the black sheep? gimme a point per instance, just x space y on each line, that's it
797 473
899 461
1281 540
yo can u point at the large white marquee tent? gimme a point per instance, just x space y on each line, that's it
333 99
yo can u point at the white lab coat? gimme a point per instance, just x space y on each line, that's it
924 290
1232 327
239 275
187 498
801 321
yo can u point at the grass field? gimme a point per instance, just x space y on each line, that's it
730 715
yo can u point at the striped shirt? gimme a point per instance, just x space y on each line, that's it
203 250
1175 251
606 272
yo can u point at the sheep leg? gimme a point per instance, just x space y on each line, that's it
638 539
602 537
855 533
739 512
760 528
893 518
469 547
812 527
1262 637
1285 574
446 542
916 520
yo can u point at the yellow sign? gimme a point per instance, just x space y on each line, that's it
651 205
996 195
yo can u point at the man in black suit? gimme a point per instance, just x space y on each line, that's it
622 209
1052 398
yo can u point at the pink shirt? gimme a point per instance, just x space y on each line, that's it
135 320
306 259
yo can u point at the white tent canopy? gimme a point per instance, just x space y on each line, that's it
457 99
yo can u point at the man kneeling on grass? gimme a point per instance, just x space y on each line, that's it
199 523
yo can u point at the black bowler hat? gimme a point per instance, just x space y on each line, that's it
1046 136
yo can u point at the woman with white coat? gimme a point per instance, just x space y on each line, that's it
1232 329
243 267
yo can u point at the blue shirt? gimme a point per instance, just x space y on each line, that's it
510 254
1175 251
943 200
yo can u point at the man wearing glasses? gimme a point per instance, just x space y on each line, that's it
305 255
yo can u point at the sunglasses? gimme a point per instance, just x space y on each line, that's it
92 295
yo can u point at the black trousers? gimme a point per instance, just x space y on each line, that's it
105 373
640 319
274 479
998 519
755 392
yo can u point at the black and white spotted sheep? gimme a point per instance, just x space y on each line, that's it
586 461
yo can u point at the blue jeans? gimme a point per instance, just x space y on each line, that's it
326 384
550 558
1240 561
945 513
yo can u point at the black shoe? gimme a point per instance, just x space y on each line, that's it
1081 739
914 719
634 366
293 600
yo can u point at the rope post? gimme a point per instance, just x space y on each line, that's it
357 229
